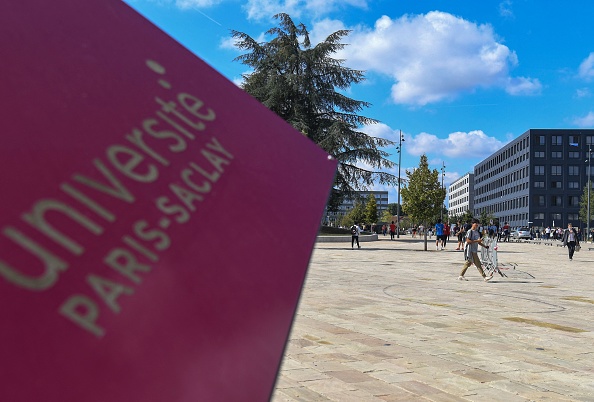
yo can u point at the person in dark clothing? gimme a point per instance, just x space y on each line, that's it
570 239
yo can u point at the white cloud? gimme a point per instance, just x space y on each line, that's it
381 130
582 93
586 69
261 9
586 121
433 57
523 86
505 9
474 144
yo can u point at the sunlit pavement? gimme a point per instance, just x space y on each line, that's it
391 322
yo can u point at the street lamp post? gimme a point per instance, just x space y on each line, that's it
400 141
589 185
442 177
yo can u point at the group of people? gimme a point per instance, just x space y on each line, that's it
470 238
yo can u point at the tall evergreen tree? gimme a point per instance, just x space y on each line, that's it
301 83
423 197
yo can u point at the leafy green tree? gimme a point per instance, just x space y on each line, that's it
393 208
486 218
371 209
305 86
423 197
387 216
355 215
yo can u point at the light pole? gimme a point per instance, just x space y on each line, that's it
442 177
400 141
589 185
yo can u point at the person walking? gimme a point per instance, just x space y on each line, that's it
446 234
461 235
570 239
473 239
355 232
392 230
438 234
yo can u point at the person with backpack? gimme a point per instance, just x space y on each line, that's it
355 232
473 239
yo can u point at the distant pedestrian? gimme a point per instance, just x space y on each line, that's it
392 230
461 236
439 234
570 239
384 229
446 234
355 232
473 239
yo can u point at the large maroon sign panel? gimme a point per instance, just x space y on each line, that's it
155 221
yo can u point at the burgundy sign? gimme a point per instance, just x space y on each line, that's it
155 221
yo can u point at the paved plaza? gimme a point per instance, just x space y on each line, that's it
391 322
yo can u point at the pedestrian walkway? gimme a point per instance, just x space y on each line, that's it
391 322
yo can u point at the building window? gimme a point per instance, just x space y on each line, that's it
556 184
573 217
539 184
539 170
574 170
574 155
573 184
539 154
556 217
539 200
574 140
574 201
556 170
541 140
556 155
556 201
556 140
589 140
539 215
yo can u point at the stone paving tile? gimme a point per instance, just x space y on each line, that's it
479 375
305 374
325 387
299 394
352 396
350 376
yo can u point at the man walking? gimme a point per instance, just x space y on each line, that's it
438 234
570 239
473 239
355 232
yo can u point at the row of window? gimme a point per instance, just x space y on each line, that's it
557 170
558 154
571 185
556 201
572 140
555 216
502 192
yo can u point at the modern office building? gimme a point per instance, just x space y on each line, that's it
381 198
461 195
537 179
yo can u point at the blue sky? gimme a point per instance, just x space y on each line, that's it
460 78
